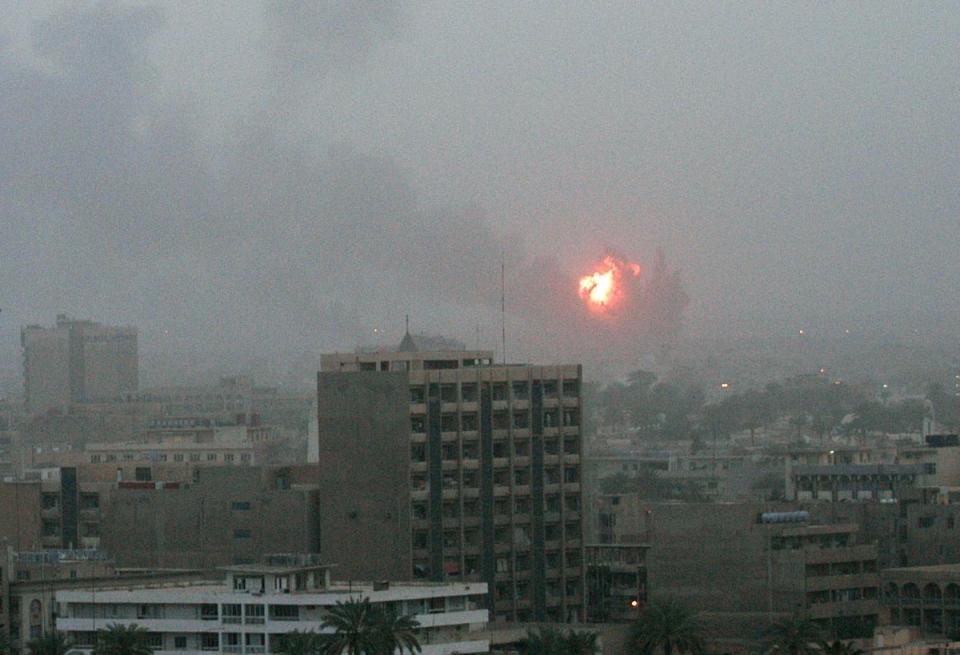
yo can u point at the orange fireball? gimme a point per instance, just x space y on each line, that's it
604 288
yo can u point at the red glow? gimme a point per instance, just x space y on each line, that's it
603 289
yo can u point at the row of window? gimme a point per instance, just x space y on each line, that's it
502 420
419 481
553 561
500 391
501 506
519 536
470 449
522 589
177 457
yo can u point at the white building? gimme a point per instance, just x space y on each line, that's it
259 603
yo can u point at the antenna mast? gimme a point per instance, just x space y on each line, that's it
503 311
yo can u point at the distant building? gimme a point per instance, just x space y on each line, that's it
256 605
31 581
76 362
745 562
926 598
616 582
454 468
164 515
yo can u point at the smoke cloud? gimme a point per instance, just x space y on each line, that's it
297 177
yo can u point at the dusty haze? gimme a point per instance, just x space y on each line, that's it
264 178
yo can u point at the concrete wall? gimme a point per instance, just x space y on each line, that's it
714 555
363 473
200 524
20 515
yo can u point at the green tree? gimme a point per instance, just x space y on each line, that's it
4 643
360 628
580 642
306 642
396 631
669 627
52 643
795 635
119 639
839 648
543 641
551 641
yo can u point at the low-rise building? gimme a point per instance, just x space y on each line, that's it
616 581
251 610
925 598
759 561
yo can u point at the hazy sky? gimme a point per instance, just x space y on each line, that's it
265 176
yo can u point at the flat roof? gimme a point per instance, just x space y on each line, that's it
274 569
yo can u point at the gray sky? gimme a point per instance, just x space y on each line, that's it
264 176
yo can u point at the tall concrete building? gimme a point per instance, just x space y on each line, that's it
456 468
77 361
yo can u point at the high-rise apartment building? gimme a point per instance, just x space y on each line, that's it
469 470
77 361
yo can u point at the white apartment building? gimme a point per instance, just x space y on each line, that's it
260 603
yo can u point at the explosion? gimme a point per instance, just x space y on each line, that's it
604 289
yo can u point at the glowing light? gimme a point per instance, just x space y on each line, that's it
634 603
604 288
724 385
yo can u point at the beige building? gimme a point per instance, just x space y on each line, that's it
924 598
76 362
759 563
489 474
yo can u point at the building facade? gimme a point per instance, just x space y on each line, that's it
761 561
491 469
256 606
76 362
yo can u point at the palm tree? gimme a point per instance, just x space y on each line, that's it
296 642
795 635
839 648
360 628
580 643
396 632
119 639
668 626
544 641
52 643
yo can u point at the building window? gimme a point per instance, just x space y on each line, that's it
211 457
521 391
245 457
155 640
180 642
241 533
228 457
240 505
209 641
417 394
925 522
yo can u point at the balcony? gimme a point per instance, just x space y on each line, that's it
863 580
864 607
817 555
